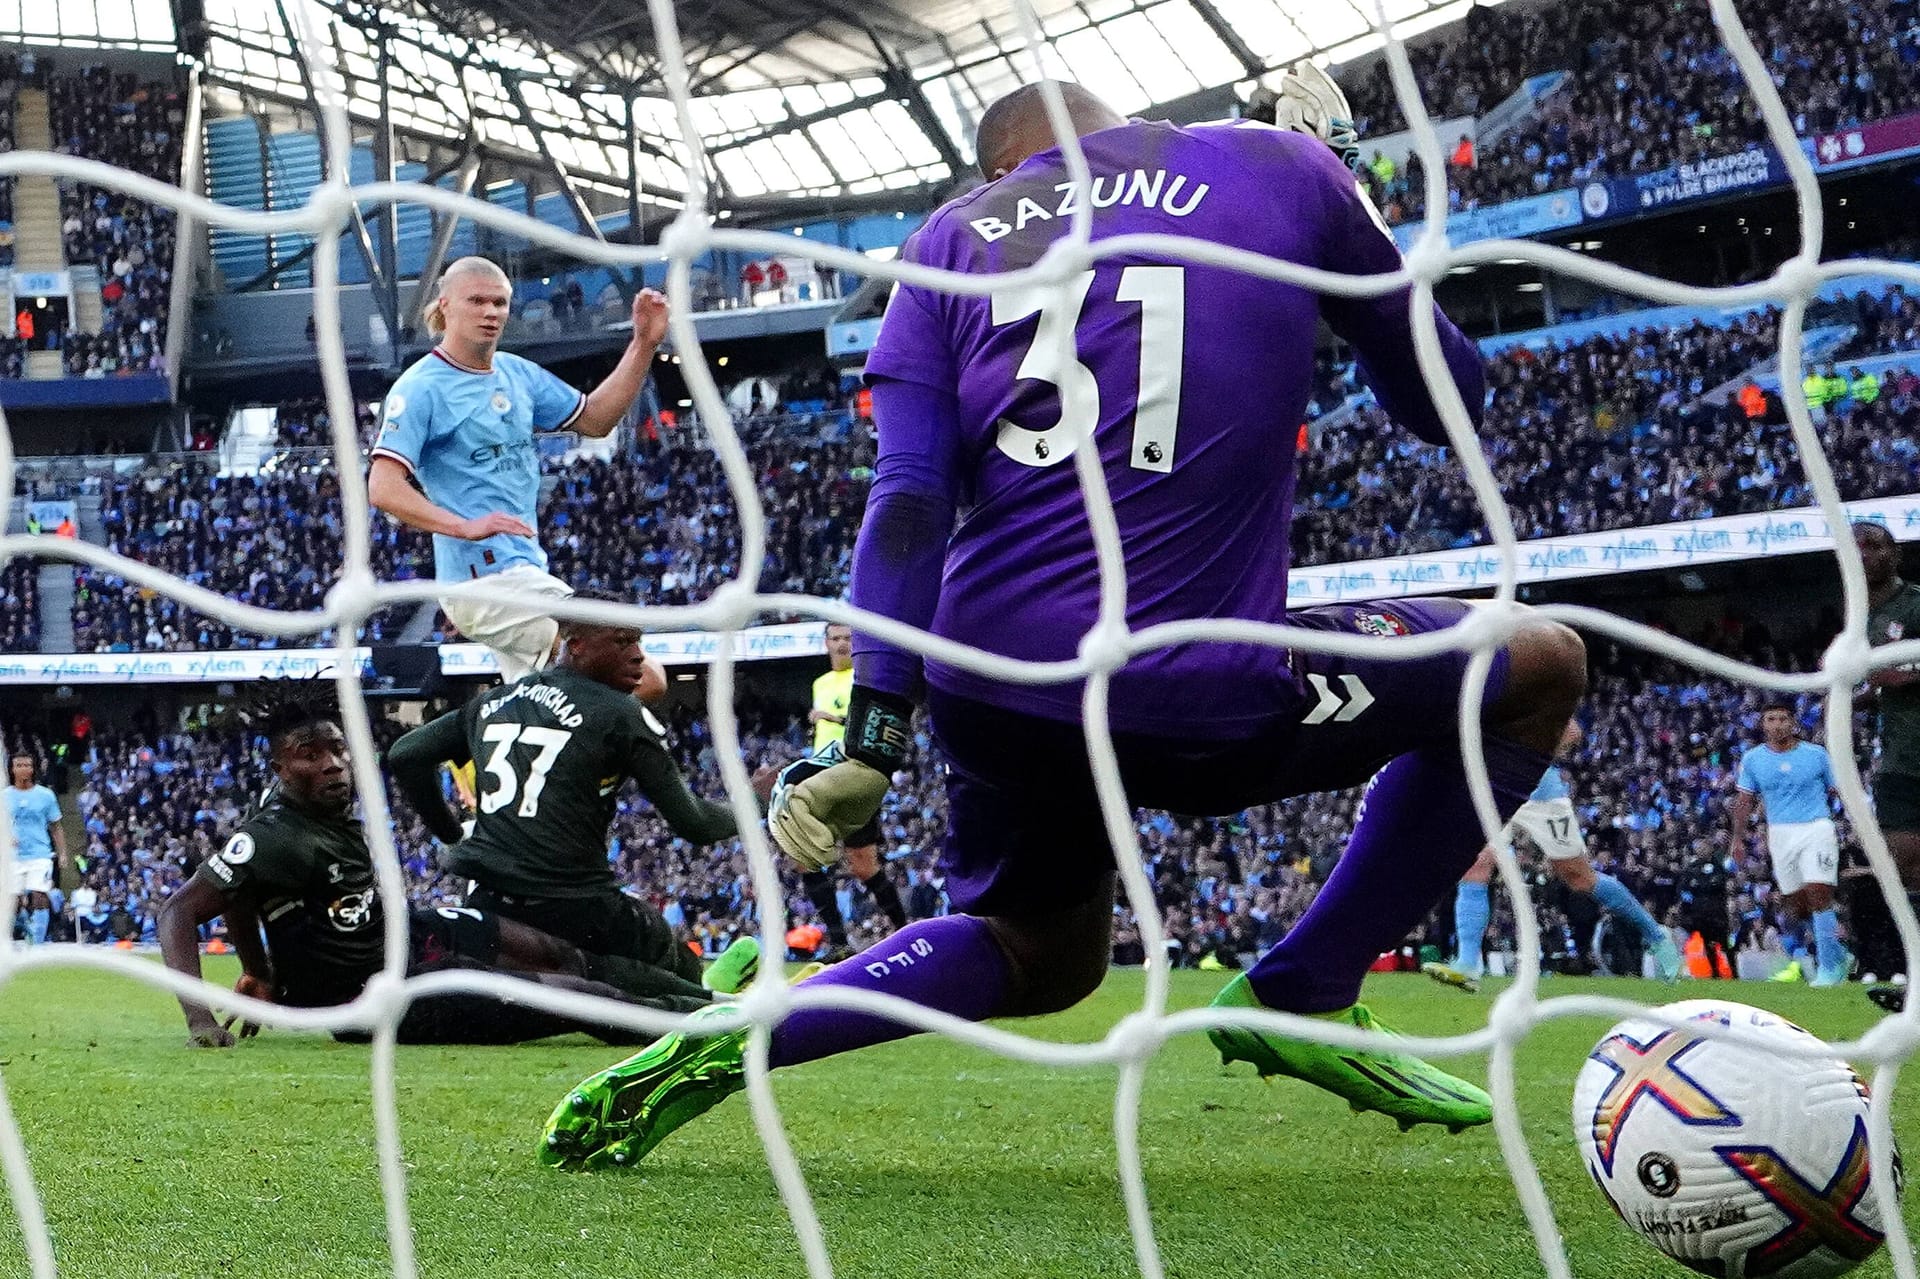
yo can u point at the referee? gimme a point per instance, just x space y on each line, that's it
862 855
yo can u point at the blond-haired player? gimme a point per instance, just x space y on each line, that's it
456 457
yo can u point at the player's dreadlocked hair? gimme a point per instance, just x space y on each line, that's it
273 708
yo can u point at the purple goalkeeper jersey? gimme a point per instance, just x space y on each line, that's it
1194 380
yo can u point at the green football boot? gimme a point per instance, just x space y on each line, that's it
1398 1085
736 968
615 1118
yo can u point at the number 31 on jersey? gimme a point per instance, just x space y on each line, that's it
1054 358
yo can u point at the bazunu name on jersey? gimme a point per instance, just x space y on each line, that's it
1138 186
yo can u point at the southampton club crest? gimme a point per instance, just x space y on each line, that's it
351 913
1380 625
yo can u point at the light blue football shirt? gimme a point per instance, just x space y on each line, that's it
1793 782
467 436
1552 786
32 811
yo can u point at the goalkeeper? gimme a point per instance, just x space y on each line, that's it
1189 380
553 749
300 865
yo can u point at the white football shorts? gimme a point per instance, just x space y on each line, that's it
1803 853
1553 828
522 638
34 875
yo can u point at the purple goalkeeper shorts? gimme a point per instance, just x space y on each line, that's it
1024 831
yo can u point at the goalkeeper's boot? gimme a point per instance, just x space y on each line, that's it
614 1118
1398 1085
1835 974
1891 996
1790 973
736 968
1449 975
1666 960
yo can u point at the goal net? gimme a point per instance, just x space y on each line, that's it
1131 1045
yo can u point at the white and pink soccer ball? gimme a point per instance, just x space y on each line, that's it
1737 1162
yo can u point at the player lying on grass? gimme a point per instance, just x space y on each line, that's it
1190 381
300 867
1548 821
456 456
553 749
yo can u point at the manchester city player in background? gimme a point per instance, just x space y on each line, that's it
460 422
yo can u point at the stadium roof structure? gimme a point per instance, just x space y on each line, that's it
832 101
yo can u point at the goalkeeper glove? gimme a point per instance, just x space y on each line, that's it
819 800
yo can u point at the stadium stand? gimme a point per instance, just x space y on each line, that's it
1651 783
271 539
1609 431
9 103
1650 86
137 125
20 607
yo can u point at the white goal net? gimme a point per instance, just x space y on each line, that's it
1131 1044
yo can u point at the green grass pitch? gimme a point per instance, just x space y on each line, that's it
926 1159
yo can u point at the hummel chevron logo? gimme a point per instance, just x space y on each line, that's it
1332 706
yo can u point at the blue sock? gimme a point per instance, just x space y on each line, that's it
37 926
1471 908
1617 901
1794 938
1826 939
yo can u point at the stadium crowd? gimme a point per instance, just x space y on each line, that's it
1650 86
1583 436
1651 783
1616 432
113 116
306 424
9 104
20 606
271 539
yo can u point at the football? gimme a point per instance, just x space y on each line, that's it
1734 1161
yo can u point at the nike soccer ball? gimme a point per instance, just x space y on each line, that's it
1734 1161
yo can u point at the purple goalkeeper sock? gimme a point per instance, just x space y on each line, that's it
951 963
1416 835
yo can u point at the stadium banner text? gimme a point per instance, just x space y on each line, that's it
1560 559
1535 215
680 648
1554 559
